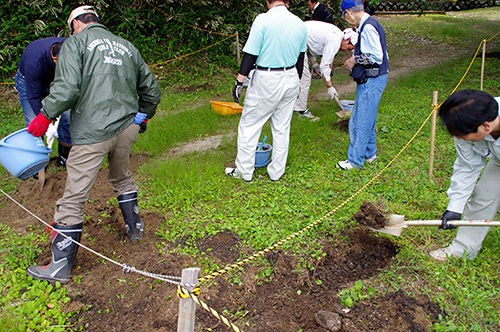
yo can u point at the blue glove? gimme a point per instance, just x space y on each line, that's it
139 118
449 215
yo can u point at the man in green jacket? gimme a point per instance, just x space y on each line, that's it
111 92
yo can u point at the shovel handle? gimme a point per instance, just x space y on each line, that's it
481 223
338 102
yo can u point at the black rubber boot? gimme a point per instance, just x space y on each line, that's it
130 211
63 255
63 154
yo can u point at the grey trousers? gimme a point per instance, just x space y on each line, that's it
484 203
83 166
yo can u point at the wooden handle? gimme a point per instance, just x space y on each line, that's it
338 102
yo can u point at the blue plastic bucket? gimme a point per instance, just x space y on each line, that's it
348 105
263 156
23 154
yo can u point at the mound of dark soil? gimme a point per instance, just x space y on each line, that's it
370 215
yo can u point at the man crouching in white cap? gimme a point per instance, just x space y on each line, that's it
326 40
111 92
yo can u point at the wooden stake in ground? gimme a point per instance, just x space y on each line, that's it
237 47
482 64
187 307
433 133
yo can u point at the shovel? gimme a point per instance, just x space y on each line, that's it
397 222
50 142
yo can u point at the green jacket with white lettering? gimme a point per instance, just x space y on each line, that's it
104 80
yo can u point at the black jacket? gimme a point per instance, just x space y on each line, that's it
321 13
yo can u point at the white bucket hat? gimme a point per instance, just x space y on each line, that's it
79 11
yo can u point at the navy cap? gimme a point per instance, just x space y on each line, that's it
346 4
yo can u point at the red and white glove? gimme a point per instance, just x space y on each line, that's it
39 125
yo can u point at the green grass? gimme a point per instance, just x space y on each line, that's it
27 305
197 200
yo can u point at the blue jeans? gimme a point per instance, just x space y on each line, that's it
63 130
362 133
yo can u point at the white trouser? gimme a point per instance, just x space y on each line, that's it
305 85
270 95
483 204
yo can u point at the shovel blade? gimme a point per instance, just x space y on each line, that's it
343 114
41 178
391 230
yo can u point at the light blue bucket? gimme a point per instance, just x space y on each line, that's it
23 154
348 105
263 155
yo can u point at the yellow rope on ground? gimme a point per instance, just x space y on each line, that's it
490 39
7 83
468 68
260 253
186 55
188 294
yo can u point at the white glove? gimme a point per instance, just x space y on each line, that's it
332 92
51 131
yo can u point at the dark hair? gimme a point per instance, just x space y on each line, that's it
465 110
86 18
56 47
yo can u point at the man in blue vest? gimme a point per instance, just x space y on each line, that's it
369 68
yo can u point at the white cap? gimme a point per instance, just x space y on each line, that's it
79 11
351 34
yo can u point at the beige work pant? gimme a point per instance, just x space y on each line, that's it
83 166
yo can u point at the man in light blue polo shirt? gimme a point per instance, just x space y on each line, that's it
275 48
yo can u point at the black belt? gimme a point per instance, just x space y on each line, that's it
274 69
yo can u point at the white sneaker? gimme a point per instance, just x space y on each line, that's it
371 160
442 254
345 164
234 173
307 114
